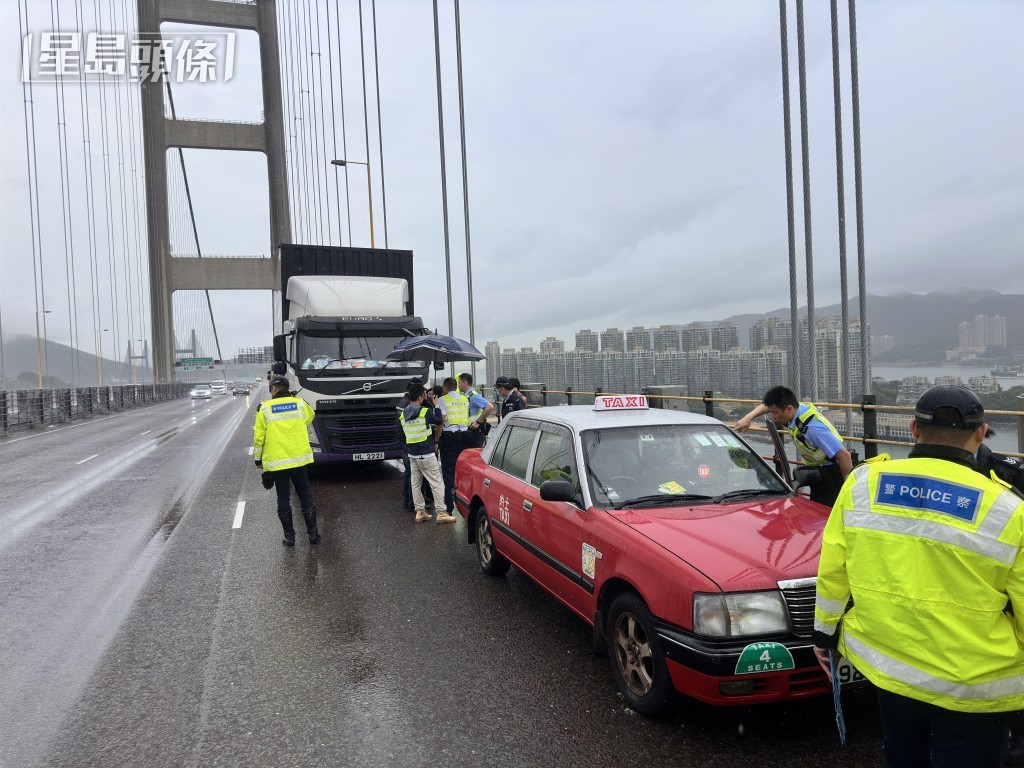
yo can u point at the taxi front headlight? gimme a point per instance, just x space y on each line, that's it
739 614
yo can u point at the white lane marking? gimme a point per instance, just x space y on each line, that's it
239 511
44 434
146 432
88 459
251 449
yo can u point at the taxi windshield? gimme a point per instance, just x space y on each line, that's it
673 464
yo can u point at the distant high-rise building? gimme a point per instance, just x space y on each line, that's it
492 351
670 368
639 370
694 336
508 362
587 341
551 346
613 340
666 337
982 331
527 364
638 337
881 343
610 371
724 336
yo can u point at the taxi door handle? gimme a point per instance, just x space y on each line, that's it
528 506
487 482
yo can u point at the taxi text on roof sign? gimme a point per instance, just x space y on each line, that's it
620 402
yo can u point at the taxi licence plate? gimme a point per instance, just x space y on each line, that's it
367 456
847 673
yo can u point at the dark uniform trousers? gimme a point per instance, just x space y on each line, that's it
283 480
452 444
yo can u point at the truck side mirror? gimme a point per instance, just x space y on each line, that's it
280 368
438 365
280 349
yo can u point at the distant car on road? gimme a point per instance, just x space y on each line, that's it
202 391
240 388
691 558
219 387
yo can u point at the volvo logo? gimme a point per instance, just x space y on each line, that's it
367 386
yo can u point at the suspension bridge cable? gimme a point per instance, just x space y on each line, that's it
291 153
366 113
465 180
90 204
26 92
344 134
380 127
301 142
795 352
65 205
334 125
444 174
837 98
314 148
865 365
805 151
322 158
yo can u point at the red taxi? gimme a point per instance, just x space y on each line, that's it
690 557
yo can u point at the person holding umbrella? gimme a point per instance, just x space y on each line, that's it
418 421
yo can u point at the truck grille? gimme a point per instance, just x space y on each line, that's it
799 595
348 431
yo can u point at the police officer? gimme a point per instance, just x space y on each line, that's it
454 440
479 410
817 442
281 448
512 400
418 421
929 551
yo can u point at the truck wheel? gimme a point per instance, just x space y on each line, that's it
638 666
491 563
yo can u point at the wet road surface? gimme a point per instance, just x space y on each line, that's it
141 628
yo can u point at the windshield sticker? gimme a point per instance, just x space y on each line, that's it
671 487
764 657
610 492
590 558
703 471
733 441
646 438
702 439
719 441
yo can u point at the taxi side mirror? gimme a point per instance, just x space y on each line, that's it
803 476
559 490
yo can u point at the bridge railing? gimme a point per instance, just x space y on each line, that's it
29 408
866 422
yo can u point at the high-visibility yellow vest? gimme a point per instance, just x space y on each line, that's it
456 409
930 552
417 430
281 435
810 455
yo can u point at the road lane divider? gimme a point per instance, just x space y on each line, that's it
251 449
145 433
239 511
89 458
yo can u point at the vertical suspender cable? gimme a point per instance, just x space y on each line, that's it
795 346
65 209
865 365
344 134
318 139
26 93
323 127
805 152
314 149
366 115
465 182
334 125
837 97
444 175
380 127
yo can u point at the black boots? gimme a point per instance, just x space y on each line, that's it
309 515
289 539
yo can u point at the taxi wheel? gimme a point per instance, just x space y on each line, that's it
491 563
638 666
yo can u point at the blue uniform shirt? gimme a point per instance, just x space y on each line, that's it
818 434
477 403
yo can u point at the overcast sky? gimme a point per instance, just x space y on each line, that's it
625 162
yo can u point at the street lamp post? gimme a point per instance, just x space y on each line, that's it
99 355
369 188
39 357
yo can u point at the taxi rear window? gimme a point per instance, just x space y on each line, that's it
513 453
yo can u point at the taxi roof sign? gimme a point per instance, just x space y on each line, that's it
620 403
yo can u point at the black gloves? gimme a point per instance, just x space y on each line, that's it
268 480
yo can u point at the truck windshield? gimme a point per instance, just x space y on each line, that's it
346 354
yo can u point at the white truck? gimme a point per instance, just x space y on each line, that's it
344 309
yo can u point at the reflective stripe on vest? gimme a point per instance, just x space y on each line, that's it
456 409
416 431
809 454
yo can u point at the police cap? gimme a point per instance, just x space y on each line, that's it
503 381
279 381
963 408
